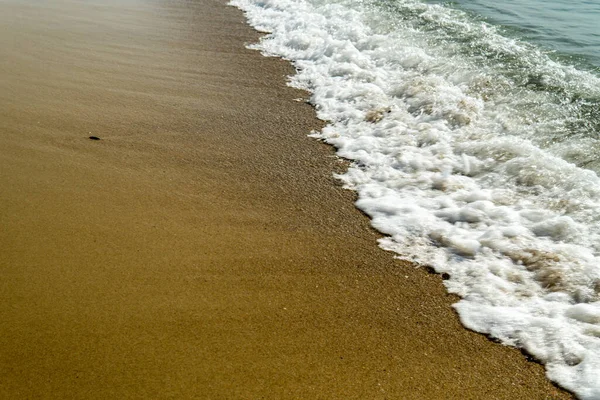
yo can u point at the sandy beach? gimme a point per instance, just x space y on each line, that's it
202 247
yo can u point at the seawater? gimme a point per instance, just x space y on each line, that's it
570 28
475 149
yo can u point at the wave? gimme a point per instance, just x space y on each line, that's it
473 152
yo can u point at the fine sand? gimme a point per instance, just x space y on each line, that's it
202 247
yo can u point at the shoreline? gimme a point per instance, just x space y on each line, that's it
201 248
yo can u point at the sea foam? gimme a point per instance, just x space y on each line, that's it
468 150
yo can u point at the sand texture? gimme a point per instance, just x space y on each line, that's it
201 248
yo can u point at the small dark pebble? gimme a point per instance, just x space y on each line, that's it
94 138
495 340
445 276
429 269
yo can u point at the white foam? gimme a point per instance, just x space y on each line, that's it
457 158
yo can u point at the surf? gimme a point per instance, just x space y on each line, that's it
474 152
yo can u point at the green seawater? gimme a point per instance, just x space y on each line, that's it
571 28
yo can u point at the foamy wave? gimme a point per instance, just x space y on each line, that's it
464 144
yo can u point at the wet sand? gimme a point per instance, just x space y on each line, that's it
202 247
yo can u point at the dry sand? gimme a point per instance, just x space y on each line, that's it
201 248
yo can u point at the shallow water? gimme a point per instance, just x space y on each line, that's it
476 151
568 27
